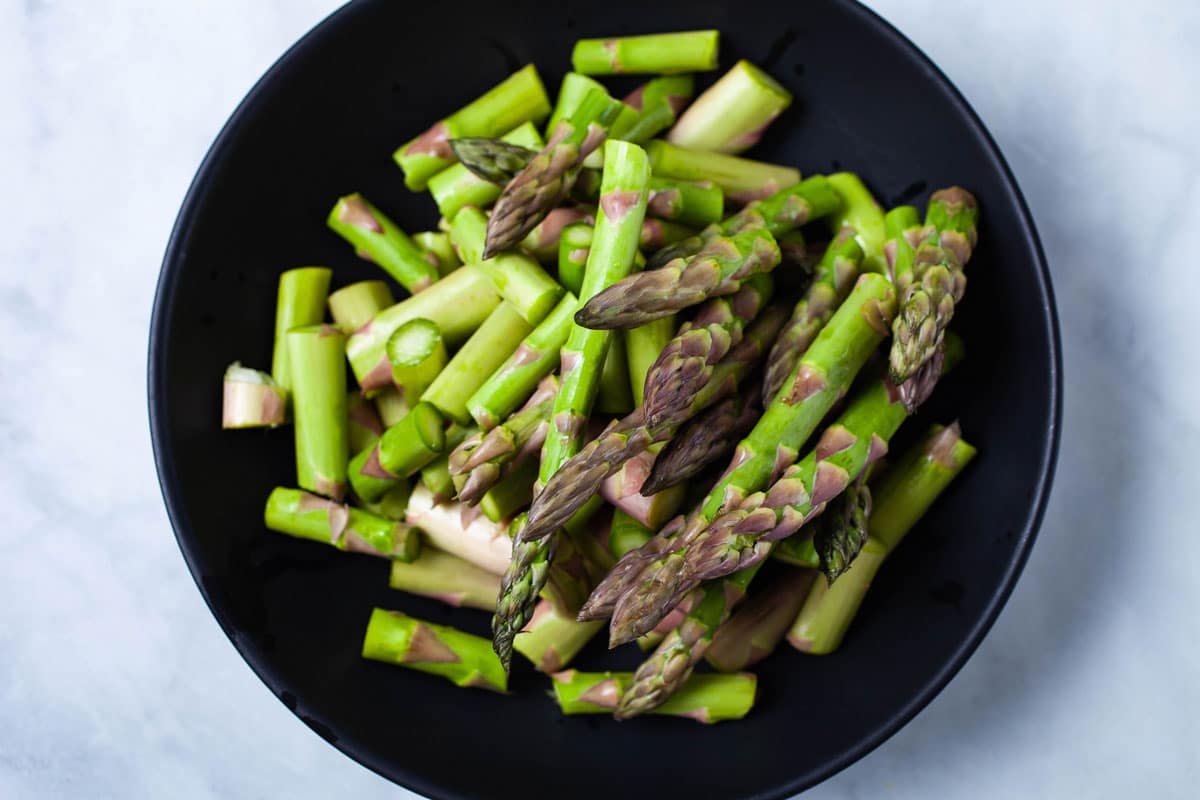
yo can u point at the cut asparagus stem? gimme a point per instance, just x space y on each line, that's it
377 239
250 399
457 304
308 516
731 115
535 358
759 625
643 345
902 496
742 179
623 489
394 502
861 212
447 578
622 209
300 302
571 91
457 187
353 306
703 698
512 493
615 395
318 376
552 639
658 233
662 53
543 241
392 406
548 178
520 98
465 659
834 276
402 450
625 533
436 246
573 246
364 425
417 355
695 204
658 103
436 474
497 338
460 530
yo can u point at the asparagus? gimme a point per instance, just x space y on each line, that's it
497 338
519 98
461 531
658 103
573 246
615 395
643 345
743 180
402 450
759 624
319 408
731 115
929 290
251 399
391 405
377 239
436 246
543 241
364 426
447 578
841 531
823 375
417 355
543 184
535 358
394 502
307 516
625 533
696 204
834 275
704 698
457 304
512 493
658 233
436 474
861 212
353 306
662 53
571 91
552 639
902 497
622 208
300 302
396 638
459 186
623 490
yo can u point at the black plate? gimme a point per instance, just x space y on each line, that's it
323 122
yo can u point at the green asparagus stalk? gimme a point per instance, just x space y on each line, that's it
658 233
512 493
663 53
861 212
759 624
417 355
573 246
902 497
622 209
391 405
695 204
615 395
402 450
307 516
457 304
731 115
519 98
535 358
251 399
460 530
543 241
625 533
458 187
300 302
658 102
643 345
834 276
552 639
436 474
743 180
396 638
841 531
435 245
319 408
571 91
364 427
394 503
377 239
447 578
353 306
548 178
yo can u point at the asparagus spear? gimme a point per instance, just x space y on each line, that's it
319 408
571 91
393 504
402 450
841 531
517 99
552 639
732 114
543 184
902 497
703 698
307 516
417 355
861 212
251 399
353 306
458 186
743 180
696 204
300 302
364 426
436 474
436 247
662 53
623 490
535 358
377 239
391 405
448 578
817 381
622 208
573 246
457 304
512 493
658 103
543 241
461 531
759 624
396 638
834 275
643 345
625 533
615 395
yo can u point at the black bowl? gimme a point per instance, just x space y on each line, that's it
322 123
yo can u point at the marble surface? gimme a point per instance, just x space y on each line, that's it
116 682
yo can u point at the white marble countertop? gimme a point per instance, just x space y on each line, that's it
115 681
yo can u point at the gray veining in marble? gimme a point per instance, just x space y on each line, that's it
116 682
